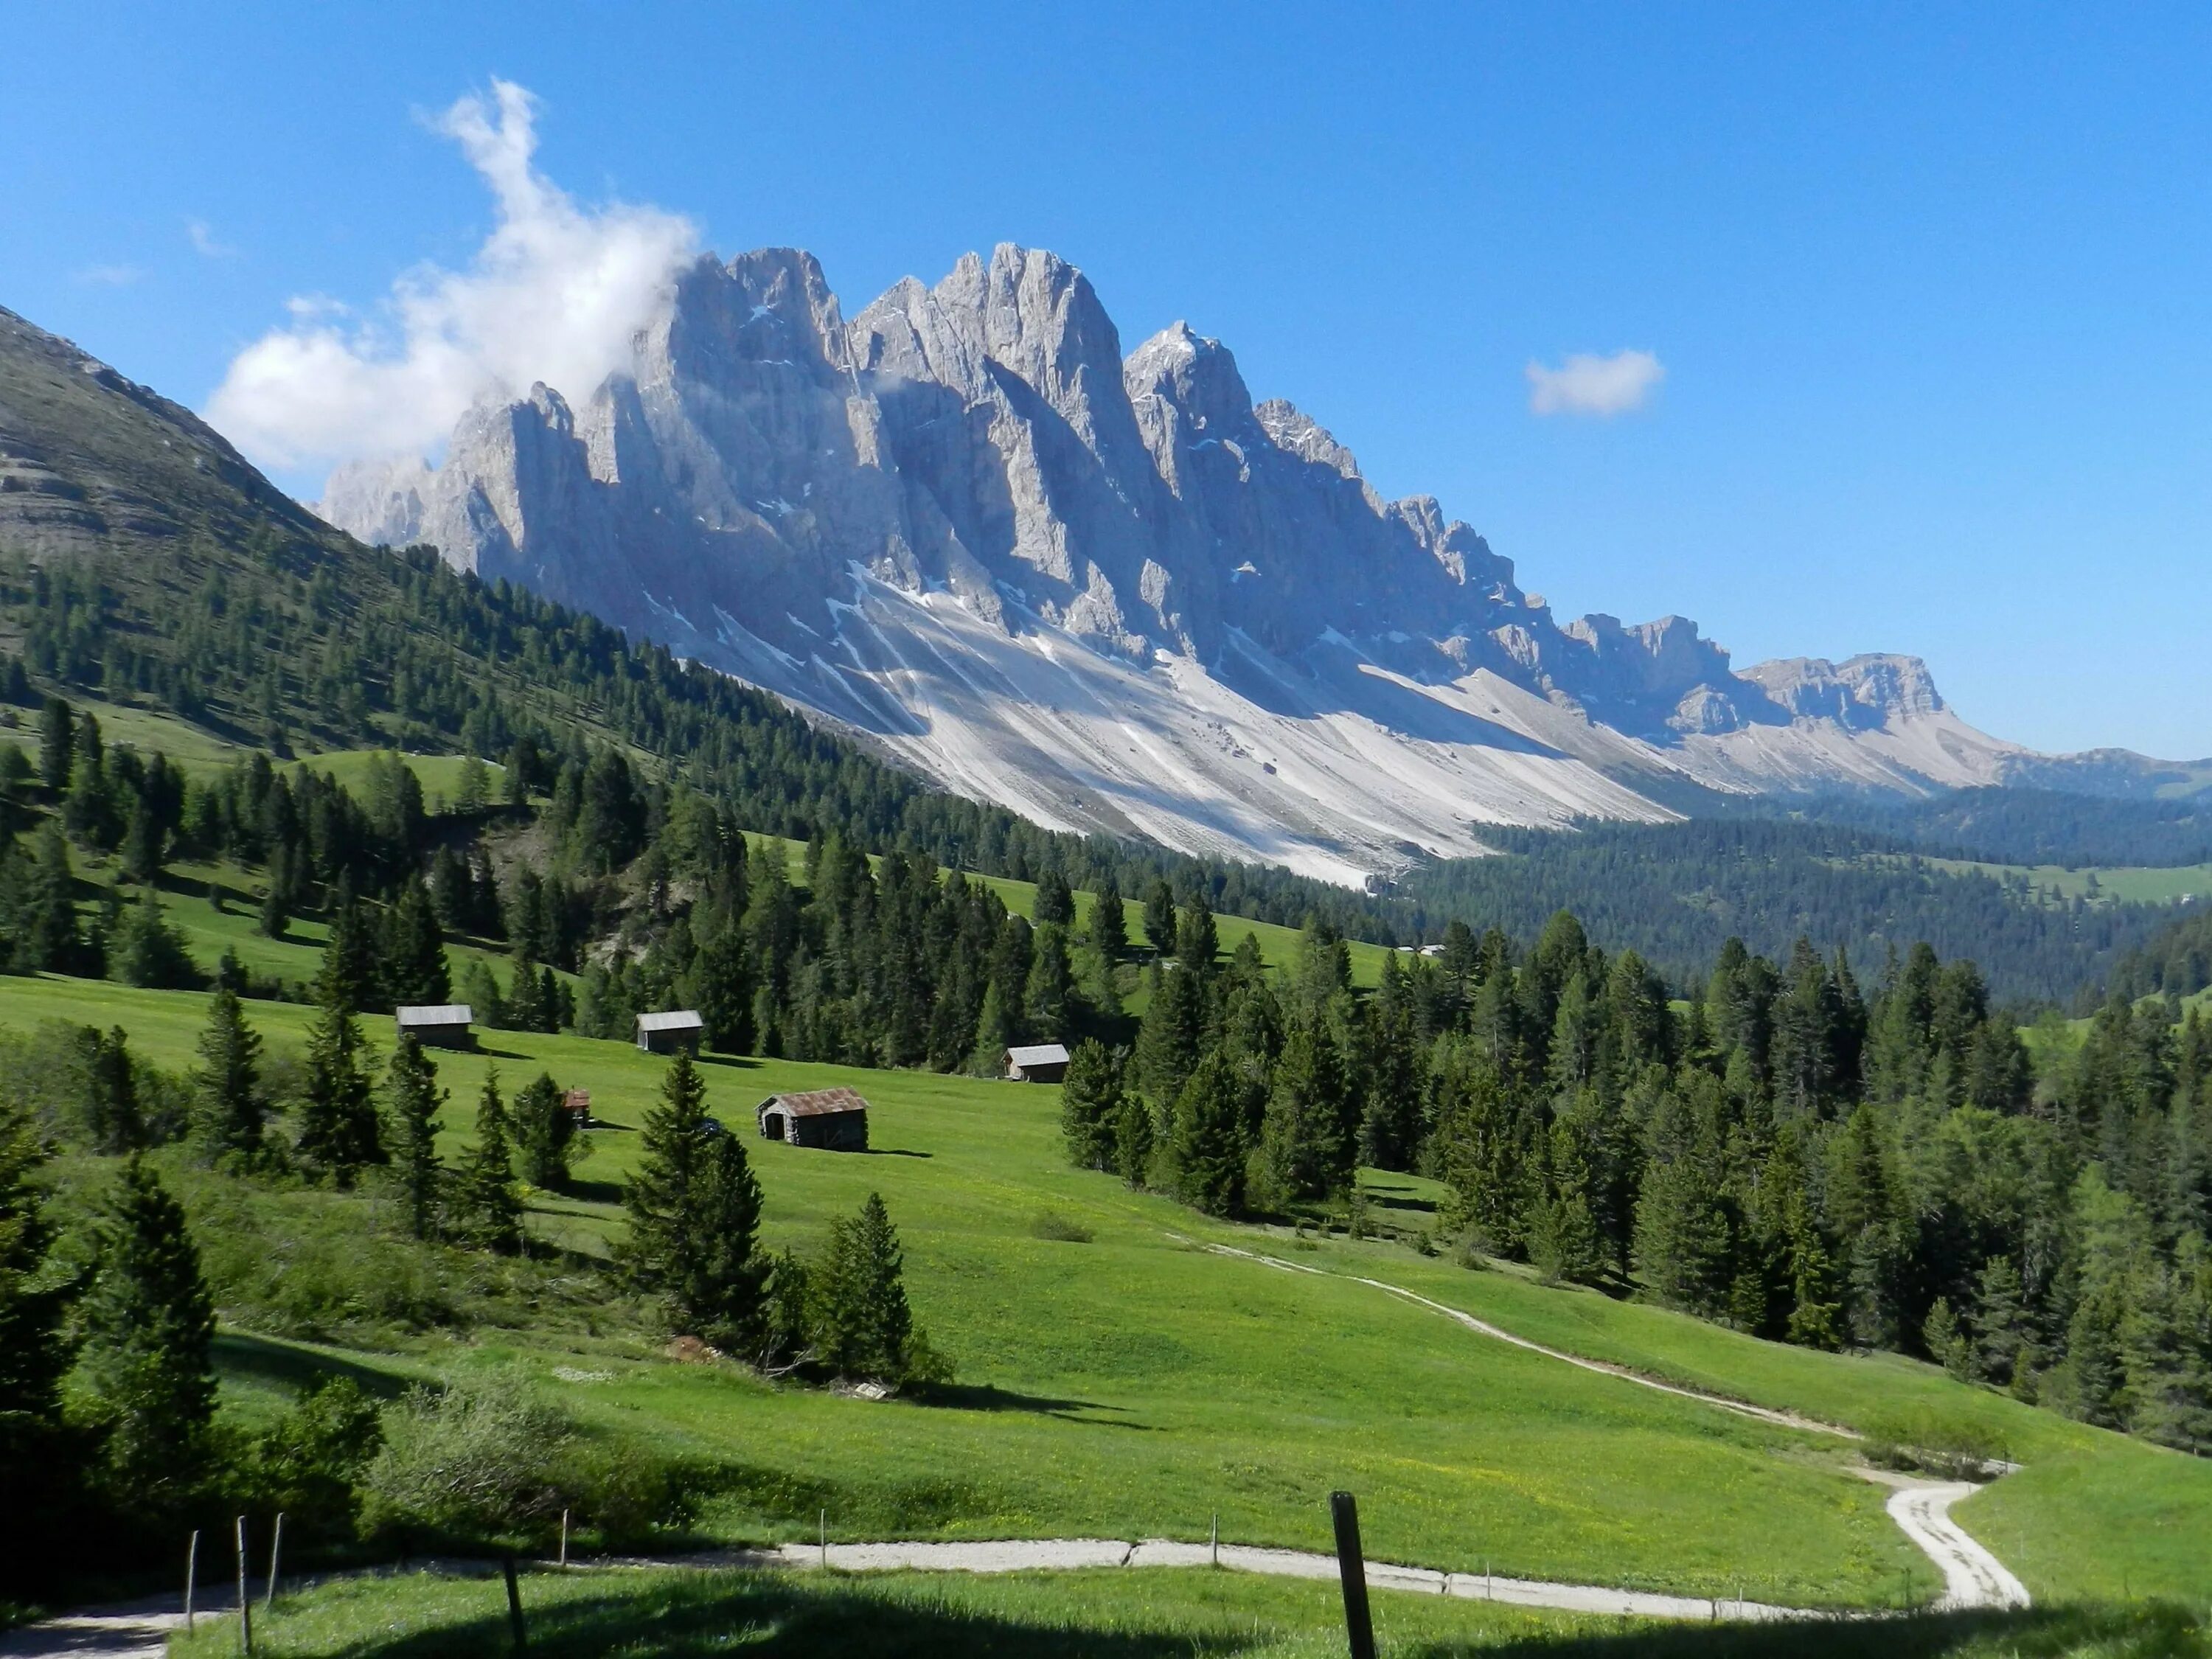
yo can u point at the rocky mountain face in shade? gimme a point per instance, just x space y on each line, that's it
1107 587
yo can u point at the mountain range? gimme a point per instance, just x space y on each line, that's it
1112 591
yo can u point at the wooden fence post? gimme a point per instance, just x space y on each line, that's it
564 1538
192 1577
245 1601
514 1603
1352 1568
275 1554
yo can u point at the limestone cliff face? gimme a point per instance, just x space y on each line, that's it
798 498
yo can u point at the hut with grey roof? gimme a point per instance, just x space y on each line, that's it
666 1033
437 1024
1035 1062
835 1120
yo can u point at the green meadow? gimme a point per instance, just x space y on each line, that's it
1116 1378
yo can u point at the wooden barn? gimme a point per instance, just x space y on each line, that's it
665 1033
438 1025
1038 1062
835 1120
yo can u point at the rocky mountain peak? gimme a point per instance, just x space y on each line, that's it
967 503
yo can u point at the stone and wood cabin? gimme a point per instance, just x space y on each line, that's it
834 1120
679 1029
437 1025
1036 1062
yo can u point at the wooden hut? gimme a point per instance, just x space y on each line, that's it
835 1120
1037 1063
437 1025
665 1033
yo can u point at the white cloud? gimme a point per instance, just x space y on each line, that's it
110 275
557 293
205 243
1587 384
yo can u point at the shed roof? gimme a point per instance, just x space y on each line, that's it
816 1102
676 1019
435 1014
1037 1054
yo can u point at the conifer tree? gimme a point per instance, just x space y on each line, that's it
545 1134
995 1033
1089 1101
113 1122
148 1324
1304 1150
484 1193
50 940
415 971
1054 905
1109 922
351 971
227 1110
1160 917
723 989
1134 1138
57 746
415 1101
863 1326
337 1132
35 1348
1172 1032
1206 1145
149 951
1048 999
694 1208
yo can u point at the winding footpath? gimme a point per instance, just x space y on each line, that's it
1972 1577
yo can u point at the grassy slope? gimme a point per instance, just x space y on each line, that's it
1099 1615
2130 884
1135 1385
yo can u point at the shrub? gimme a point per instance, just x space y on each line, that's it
478 1464
1050 1225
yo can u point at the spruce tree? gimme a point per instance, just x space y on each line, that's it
57 746
1206 1143
694 1208
1160 917
863 1326
148 952
351 972
545 1134
35 1347
228 1112
149 1323
1090 1101
1109 922
1304 1152
485 1193
1048 1000
1134 1138
415 1101
414 972
337 1132
113 1120
1172 1032
723 989
994 1032
1054 905
48 939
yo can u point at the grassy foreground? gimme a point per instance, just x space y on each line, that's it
1117 1379
1100 1614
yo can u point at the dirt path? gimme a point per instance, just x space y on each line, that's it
1972 1577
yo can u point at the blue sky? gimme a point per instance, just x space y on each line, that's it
1928 284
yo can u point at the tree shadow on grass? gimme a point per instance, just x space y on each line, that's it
776 1616
2022 1633
267 1359
894 1151
735 1062
987 1397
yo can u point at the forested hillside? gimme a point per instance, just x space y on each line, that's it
1674 892
1803 1156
